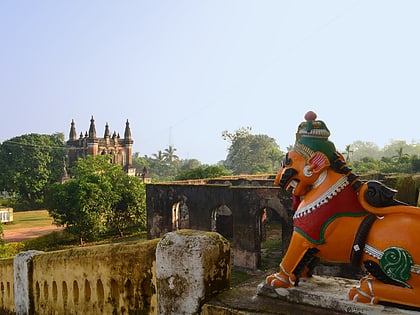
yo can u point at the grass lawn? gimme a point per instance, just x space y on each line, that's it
29 219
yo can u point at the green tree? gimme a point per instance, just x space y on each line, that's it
1 234
187 164
362 149
99 196
348 152
129 206
169 155
201 172
251 154
29 163
401 157
3 249
164 165
159 157
366 165
415 164
69 205
400 148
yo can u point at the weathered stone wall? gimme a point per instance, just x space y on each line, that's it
103 279
6 286
245 198
116 278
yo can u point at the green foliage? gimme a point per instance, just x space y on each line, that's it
360 149
397 157
55 240
129 207
200 172
251 154
29 163
73 205
406 187
1 234
99 196
11 249
415 164
164 165
365 165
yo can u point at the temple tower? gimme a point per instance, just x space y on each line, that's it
119 150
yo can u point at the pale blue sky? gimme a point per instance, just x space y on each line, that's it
184 71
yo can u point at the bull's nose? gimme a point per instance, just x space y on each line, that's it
286 177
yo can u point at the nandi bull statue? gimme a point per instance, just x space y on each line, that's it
339 218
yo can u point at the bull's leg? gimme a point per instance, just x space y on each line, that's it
285 278
371 290
364 292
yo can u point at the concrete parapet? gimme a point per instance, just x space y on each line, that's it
104 279
118 278
191 266
6 285
23 278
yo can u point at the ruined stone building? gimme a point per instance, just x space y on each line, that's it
119 149
237 207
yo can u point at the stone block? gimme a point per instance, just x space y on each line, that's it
190 267
328 293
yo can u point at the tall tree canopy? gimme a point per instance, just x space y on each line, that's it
29 163
200 172
100 197
251 154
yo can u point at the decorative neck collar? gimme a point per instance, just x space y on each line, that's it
324 198
320 179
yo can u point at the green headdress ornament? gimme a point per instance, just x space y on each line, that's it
312 136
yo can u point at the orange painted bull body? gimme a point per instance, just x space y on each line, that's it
340 219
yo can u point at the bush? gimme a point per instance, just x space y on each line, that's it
9 250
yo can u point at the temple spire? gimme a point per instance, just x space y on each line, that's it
107 133
127 133
92 129
72 134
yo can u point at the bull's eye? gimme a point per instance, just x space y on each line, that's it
286 161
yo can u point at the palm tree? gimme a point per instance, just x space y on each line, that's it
159 157
348 152
400 157
169 155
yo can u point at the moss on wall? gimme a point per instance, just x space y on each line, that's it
109 279
6 286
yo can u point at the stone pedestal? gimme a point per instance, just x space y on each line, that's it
328 293
190 266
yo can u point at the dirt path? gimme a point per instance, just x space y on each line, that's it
18 235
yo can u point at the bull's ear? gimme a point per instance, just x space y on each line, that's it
318 162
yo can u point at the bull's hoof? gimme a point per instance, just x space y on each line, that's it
363 292
278 280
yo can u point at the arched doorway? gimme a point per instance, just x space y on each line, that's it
222 221
270 229
180 215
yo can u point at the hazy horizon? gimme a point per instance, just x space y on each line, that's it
182 72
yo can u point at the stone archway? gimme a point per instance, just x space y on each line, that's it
222 221
180 215
270 234
233 207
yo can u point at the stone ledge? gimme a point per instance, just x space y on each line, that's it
330 293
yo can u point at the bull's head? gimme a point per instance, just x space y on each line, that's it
306 165
299 173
